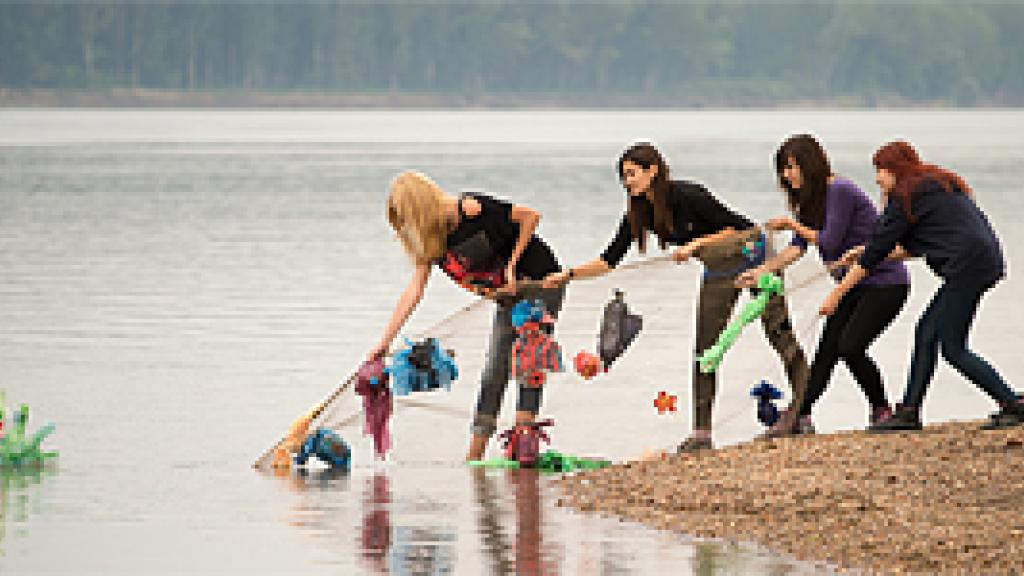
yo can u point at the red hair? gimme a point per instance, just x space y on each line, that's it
901 159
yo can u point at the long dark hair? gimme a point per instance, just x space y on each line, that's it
638 209
808 201
901 159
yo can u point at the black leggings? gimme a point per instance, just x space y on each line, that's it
860 317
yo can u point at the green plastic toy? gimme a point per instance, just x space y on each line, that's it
768 285
549 461
18 451
494 463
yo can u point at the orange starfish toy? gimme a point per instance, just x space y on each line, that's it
665 402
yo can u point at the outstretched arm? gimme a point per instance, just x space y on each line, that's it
852 278
781 260
595 267
609 259
683 253
406 304
808 234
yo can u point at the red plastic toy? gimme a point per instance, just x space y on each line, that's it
522 443
587 364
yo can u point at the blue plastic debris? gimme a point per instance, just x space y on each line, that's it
421 367
328 447
765 393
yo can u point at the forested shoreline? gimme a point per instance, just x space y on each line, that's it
512 54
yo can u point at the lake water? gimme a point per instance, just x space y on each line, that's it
178 286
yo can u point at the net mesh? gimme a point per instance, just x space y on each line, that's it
663 291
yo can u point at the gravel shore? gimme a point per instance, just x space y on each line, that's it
948 499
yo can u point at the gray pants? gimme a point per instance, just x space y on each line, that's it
497 367
717 299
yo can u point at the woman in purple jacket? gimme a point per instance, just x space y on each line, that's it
832 213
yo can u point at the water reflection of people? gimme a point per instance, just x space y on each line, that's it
530 560
375 536
383 547
400 549
494 540
528 550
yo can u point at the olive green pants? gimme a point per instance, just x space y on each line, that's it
723 261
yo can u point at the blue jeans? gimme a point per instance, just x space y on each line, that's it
495 376
944 326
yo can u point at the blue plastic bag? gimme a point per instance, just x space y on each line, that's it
328 447
765 393
421 367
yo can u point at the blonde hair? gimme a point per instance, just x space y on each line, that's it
416 212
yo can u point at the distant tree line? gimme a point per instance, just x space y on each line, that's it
941 51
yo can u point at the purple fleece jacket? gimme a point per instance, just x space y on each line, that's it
850 218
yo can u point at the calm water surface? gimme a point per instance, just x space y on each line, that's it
177 286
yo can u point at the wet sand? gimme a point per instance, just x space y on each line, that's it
949 499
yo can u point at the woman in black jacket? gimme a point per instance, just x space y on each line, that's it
930 212
686 215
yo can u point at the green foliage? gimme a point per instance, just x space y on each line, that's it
691 53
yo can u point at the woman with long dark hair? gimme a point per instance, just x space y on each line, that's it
686 215
832 213
931 213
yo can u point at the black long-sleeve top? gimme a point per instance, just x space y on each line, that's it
495 220
695 213
949 230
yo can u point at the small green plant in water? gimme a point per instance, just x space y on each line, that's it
18 450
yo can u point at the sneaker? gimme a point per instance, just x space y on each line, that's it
805 426
903 418
692 444
879 414
1010 415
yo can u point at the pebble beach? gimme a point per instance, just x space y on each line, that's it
948 499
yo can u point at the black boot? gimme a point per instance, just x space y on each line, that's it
691 445
1010 415
903 418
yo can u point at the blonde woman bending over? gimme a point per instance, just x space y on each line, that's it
488 246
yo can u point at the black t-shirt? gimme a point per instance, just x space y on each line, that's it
695 213
495 220
950 231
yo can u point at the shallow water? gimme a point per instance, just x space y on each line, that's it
179 285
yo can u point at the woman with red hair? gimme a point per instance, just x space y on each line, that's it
930 212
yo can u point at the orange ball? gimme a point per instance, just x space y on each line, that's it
587 364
